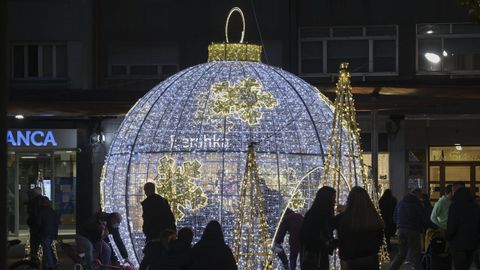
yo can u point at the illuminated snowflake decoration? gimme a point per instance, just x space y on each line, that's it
176 185
206 113
244 99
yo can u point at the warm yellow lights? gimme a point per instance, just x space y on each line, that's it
345 131
234 52
176 185
244 100
251 240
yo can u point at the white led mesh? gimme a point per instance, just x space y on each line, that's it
175 119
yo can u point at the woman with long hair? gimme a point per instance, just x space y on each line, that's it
360 232
316 234
387 204
211 252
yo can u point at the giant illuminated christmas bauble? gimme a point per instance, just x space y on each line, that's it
190 136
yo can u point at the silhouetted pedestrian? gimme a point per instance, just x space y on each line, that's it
387 204
157 215
178 253
156 249
33 206
359 223
291 223
211 252
411 220
316 234
463 227
48 231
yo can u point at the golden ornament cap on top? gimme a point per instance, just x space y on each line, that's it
240 51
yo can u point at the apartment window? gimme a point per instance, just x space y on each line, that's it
370 50
143 70
448 48
39 61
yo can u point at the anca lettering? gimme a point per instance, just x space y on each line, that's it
31 138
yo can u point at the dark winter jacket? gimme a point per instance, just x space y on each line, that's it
212 256
152 254
33 206
317 233
291 223
176 257
387 209
354 245
410 214
463 223
47 222
157 216
93 228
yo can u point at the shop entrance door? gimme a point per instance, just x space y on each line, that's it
450 164
55 173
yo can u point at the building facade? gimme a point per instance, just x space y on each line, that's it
76 67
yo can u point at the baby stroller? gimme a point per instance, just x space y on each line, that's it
79 259
437 256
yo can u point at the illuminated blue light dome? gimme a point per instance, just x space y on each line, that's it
194 129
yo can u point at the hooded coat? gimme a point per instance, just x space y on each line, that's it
387 206
410 214
211 252
463 225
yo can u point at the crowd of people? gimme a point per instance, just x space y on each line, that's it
356 230
311 236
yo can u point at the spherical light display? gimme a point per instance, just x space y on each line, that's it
190 135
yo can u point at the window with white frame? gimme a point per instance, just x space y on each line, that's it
370 50
447 48
39 61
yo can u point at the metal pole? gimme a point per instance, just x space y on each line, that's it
374 146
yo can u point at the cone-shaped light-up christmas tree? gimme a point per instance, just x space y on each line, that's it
345 141
252 236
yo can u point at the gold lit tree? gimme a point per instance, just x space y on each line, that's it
252 236
344 141
344 152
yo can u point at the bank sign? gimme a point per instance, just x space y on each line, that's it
42 138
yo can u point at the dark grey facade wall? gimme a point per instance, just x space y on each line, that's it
424 133
371 12
396 144
109 128
191 25
69 21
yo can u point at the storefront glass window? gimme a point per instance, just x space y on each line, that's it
450 164
455 153
383 169
434 182
65 186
